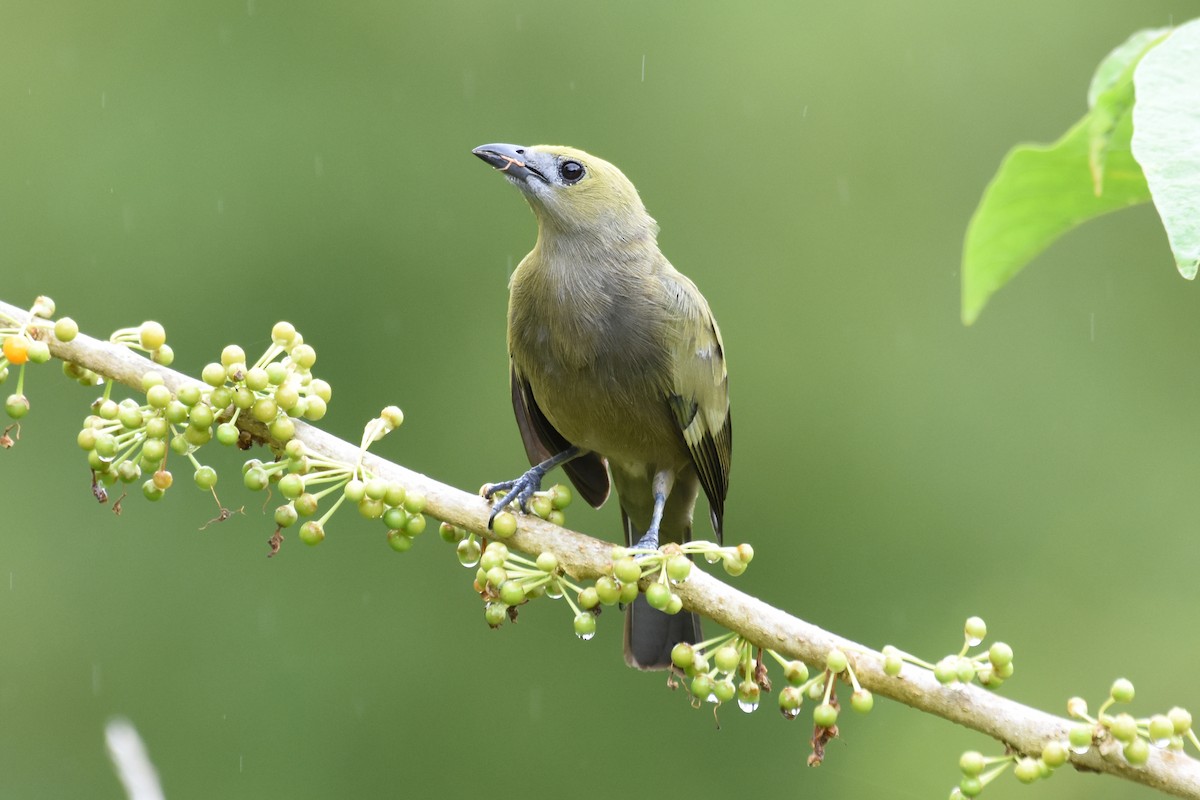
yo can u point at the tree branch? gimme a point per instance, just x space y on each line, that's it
1021 728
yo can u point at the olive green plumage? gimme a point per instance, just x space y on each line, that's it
615 352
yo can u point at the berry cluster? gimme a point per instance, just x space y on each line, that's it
125 440
25 343
304 479
1114 735
990 667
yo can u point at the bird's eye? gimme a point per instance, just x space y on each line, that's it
571 171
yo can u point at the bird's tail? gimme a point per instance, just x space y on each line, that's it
650 634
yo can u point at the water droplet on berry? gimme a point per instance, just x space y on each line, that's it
748 707
584 636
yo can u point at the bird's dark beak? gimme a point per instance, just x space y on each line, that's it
509 159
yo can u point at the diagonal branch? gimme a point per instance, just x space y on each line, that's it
1021 728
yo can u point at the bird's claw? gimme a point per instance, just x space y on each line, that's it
521 489
648 542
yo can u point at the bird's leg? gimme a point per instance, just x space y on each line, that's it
523 487
663 481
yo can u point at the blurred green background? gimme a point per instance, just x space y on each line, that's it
218 166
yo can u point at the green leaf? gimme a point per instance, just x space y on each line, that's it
1166 141
1039 193
1110 96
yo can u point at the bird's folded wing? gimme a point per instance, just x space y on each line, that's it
588 472
699 397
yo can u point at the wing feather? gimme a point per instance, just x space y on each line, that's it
588 472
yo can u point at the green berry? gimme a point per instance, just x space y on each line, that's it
264 409
306 504
946 670
966 670
678 568
39 352
370 509
312 532
892 664
286 516
304 356
585 625
790 700
227 434
733 566
291 486
494 556
975 630
152 492
749 693
189 394
727 658
16 406
213 374
206 478
607 590
547 562
1122 690
541 506
1000 654
158 396
282 429
971 763
399 542
658 595
796 672
862 701
825 715
243 399
1161 729
629 592
1027 770
495 614
511 593
504 525
835 661
152 335
1137 752
376 488
394 496
701 686
414 502
416 525
560 496
589 598
557 517
724 690
970 787
1055 754
128 472
314 409
232 354
1181 719
683 655
283 333
256 479
627 570
66 329
1123 727
163 355
395 518
1080 737
201 415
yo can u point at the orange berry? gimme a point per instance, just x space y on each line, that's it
16 350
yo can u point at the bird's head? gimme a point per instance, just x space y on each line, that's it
571 191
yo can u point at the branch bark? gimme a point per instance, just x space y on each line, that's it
1021 728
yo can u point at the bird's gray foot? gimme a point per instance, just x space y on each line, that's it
649 541
520 489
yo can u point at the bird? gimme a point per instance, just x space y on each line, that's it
617 368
